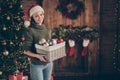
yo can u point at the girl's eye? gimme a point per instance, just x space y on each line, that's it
41 14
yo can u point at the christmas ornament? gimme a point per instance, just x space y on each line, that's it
60 40
10 6
46 44
21 6
16 37
19 19
72 47
4 43
16 62
43 41
85 45
17 28
4 28
54 41
11 42
0 73
23 38
5 53
8 17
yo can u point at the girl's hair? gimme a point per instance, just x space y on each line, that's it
33 21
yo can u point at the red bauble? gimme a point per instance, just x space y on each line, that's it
23 38
16 62
4 43
10 6
70 26
18 19
16 37
60 40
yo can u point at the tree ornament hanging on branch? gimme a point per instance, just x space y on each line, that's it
70 8
6 53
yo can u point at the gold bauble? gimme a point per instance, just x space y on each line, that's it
8 17
6 53
0 72
4 28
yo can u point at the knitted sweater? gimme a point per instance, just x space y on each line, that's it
33 35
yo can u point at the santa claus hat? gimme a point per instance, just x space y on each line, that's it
28 14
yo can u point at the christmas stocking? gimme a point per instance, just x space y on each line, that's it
72 47
85 45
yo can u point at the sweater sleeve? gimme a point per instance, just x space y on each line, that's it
27 44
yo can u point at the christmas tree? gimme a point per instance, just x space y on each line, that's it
12 57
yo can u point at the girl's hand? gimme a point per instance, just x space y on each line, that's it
41 57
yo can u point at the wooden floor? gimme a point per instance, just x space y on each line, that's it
104 77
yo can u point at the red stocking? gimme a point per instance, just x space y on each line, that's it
71 51
84 51
72 47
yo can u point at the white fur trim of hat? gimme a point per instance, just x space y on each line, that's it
33 9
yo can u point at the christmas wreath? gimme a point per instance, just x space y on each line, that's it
70 8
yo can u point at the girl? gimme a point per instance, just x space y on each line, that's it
40 69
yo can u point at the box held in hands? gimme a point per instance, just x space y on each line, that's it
53 52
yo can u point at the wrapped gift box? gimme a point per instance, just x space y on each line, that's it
18 76
52 53
25 78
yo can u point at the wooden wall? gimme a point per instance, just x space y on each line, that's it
54 18
90 18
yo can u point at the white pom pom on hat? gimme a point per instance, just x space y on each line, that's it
28 14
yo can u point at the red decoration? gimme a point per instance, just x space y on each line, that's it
10 6
18 76
85 45
71 51
70 26
72 47
4 43
23 38
60 40
16 62
19 19
16 37
84 51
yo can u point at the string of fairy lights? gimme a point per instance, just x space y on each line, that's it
116 52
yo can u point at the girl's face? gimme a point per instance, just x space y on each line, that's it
38 17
